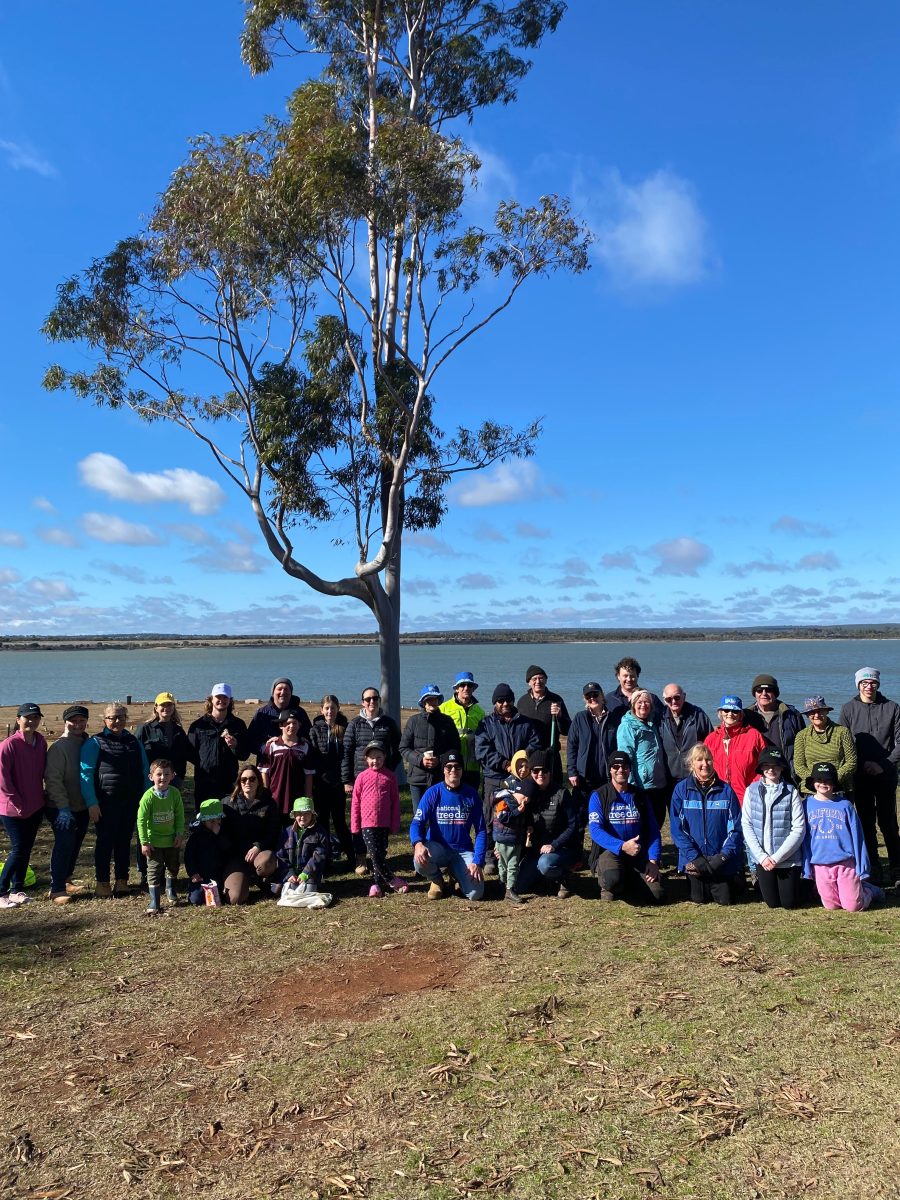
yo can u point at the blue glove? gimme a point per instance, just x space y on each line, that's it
64 819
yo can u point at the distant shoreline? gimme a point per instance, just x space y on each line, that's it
481 637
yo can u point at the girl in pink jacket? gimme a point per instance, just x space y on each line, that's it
375 813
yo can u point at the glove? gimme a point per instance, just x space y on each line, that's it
701 865
717 862
303 877
64 819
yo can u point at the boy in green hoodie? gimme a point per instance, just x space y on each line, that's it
160 822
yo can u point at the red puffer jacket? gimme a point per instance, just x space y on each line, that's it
735 757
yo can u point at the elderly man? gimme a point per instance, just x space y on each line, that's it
874 722
779 723
466 714
547 711
498 737
682 726
441 833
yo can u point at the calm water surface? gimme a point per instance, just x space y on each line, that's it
706 670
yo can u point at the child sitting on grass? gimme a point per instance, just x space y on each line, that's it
375 813
207 852
160 822
304 855
509 826
834 853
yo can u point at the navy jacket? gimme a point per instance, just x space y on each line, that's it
707 826
589 745
496 741
427 731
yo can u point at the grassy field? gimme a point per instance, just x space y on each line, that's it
405 1048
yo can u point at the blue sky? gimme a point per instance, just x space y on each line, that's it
718 392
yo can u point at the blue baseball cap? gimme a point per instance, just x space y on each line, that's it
731 704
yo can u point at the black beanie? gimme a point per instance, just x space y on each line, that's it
502 692
532 671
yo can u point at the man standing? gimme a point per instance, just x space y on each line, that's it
498 737
466 714
548 713
592 739
874 722
779 723
682 726
441 833
618 701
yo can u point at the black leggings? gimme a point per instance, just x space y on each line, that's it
780 888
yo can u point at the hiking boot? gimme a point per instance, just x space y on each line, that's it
399 885
102 891
59 897
360 868
120 888
375 892
436 891
606 895
563 892
513 896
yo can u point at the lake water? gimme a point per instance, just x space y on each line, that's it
706 670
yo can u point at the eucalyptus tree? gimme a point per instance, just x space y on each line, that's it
297 289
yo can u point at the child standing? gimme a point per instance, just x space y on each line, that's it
160 822
834 853
208 851
509 822
375 813
304 855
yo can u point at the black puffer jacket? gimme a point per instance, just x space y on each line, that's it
361 731
329 743
216 765
427 731
258 824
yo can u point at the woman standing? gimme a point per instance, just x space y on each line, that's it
23 757
638 736
219 740
735 746
773 823
114 775
327 736
164 737
824 741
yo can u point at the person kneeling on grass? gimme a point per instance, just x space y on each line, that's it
375 813
441 833
834 852
208 851
705 822
773 824
305 853
160 822
627 846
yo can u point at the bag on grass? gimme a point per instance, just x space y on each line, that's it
303 895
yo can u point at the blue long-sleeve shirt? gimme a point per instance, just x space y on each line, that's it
450 816
619 820
90 756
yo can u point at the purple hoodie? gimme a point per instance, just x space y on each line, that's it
22 775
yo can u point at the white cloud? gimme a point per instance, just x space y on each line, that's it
819 562
177 485
115 531
23 157
800 528
622 560
651 232
50 589
8 575
477 580
54 536
503 484
680 556
43 504
9 537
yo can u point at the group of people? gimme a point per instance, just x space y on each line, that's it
510 791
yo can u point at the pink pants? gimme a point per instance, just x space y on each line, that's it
839 886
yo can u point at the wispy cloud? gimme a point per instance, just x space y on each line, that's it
54 536
504 484
487 533
51 589
42 503
428 543
9 537
477 580
770 566
525 529
798 528
648 233
623 560
229 557
107 474
116 532
680 556
23 157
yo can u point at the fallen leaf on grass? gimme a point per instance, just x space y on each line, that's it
20 1035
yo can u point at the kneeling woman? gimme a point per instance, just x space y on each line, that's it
705 821
773 823
254 829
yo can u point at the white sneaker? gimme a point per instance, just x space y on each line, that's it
7 902
19 898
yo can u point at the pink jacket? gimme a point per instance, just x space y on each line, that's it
22 775
376 802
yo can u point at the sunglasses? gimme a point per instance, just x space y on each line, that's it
672 699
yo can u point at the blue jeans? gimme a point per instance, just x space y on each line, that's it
66 846
536 867
21 832
457 862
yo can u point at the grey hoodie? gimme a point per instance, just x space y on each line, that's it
876 731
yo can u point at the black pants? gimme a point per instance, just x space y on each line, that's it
114 831
331 808
659 802
875 798
621 875
720 888
779 888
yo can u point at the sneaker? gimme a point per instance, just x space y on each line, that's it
360 868
436 891
513 896
399 885
59 897
73 889
102 891
7 902
19 898
375 892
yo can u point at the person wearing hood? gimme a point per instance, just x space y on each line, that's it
428 735
371 724
705 823
547 712
265 723
773 823
874 722
735 746
466 714
502 732
779 723
824 741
